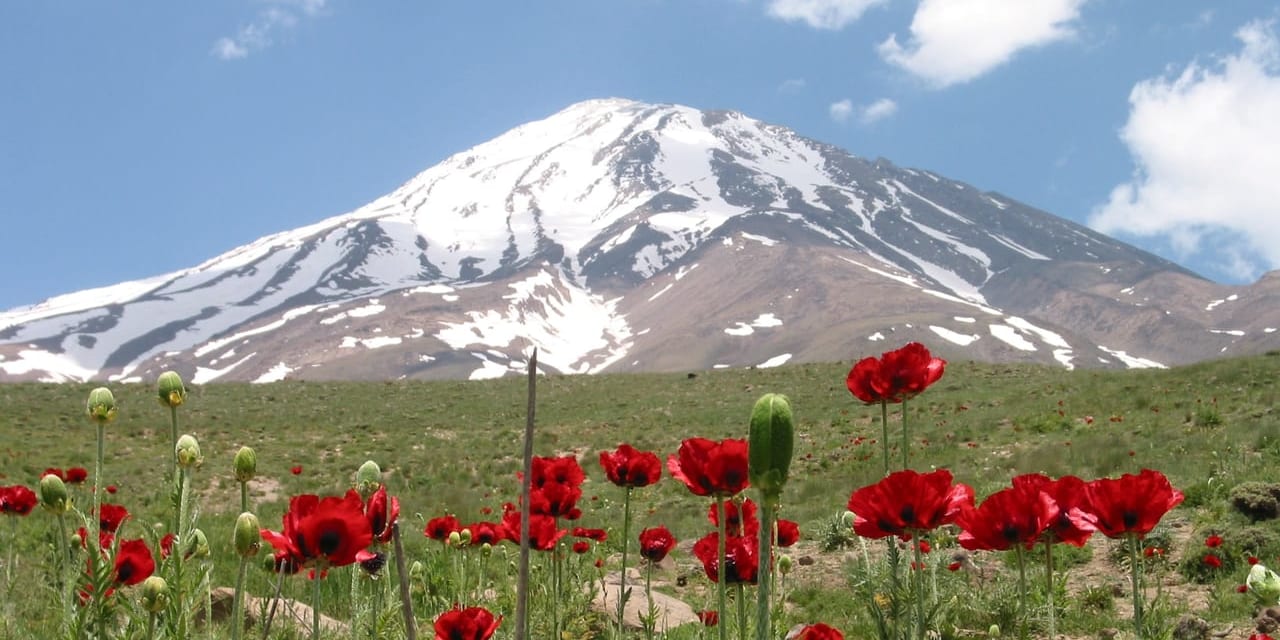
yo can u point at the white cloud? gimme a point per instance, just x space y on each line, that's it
791 85
877 111
840 111
1206 145
955 41
821 14
280 17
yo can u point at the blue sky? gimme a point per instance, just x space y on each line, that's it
143 137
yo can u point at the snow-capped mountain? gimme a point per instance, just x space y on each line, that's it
622 236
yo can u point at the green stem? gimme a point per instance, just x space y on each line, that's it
1135 567
180 549
626 538
237 606
556 562
95 525
315 606
151 626
173 461
244 497
906 439
764 575
742 611
13 542
650 620
1022 590
406 601
918 566
884 432
1048 571
356 609
720 568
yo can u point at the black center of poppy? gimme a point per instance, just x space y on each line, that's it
1011 533
330 540
1130 519
908 514
124 572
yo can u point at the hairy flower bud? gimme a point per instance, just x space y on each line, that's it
464 536
784 565
169 388
455 538
247 537
246 464
198 547
368 478
53 494
155 594
847 519
993 631
101 406
770 444
188 451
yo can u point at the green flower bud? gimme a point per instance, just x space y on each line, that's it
188 451
417 569
53 494
993 631
368 478
847 518
464 536
247 537
198 547
101 406
455 538
155 594
1264 585
246 464
784 565
172 393
770 444
486 549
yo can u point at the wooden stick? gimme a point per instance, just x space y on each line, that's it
522 583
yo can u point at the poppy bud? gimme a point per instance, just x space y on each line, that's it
1264 584
486 549
417 569
993 631
246 464
199 545
247 536
464 536
368 478
784 565
847 519
53 494
172 393
101 406
188 452
770 444
155 594
455 538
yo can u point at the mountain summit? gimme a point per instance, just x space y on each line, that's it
622 236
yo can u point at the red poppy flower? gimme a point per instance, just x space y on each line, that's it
54 471
896 376
709 617
1010 517
711 468
382 512
1130 505
17 500
1212 561
599 535
1243 588
819 631
924 546
1151 552
739 521
1260 636
77 475
166 544
332 531
1253 560
629 467
472 623
296 470
110 516
485 533
111 488
954 566
788 533
104 538
907 501
440 528
1213 542
581 546
543 533
740 559
1071 524
656 543
134 562
556 487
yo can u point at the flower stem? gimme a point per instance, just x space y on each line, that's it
650 620
764 627
720 562
180 548
13 542
1048 572
906 439
151 626
237 606
1022 590
315 606
626 538
918 567
1135 567
244 497
406 602
742 612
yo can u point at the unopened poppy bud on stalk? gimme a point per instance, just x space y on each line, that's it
247 537
172 393
101 406
199 545
784 565
155 594
770 444
53 494
464 536
188 450
455 538
246 464
368 478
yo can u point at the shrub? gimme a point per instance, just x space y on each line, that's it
1257 500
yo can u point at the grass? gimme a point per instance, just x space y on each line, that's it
454 447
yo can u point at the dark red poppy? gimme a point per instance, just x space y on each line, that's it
54 471
1213 541
296 470
1260 636
543 532
1015 516
134 562
104 538
599 535
709 617
954 566
332 531
896 376
908 501
630 467
556 487
819 631
739 521
581 546
656 543
1130 505
77 475
382 512
740 559
110 516
711 468
1212 561
485 533
788 533
166 544
440 528
472 623
1071 524
1252 560
17 500
111 488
